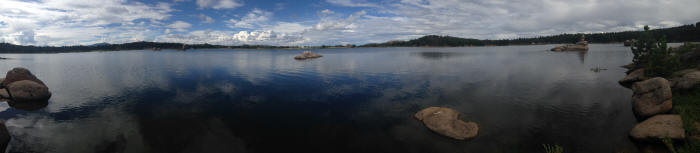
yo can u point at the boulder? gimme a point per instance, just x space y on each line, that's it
4 137
19 74
651 97
632 77
307 55
27 90
445 121
4 94
686 81
659 127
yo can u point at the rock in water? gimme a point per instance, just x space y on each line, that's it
634 76
19 74
4 136
651 97
27 90
307 55
659 127
445 121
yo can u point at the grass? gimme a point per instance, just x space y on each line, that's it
687 104
552 148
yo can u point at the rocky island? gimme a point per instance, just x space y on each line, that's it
581 45
307 55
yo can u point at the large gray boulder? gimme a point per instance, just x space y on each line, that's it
19 74
27 90
687 80
651 97
445 121
659 127
634 76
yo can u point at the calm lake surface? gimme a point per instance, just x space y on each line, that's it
350 100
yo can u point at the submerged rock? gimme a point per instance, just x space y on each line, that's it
651 97
659 127
632 77
19 74
307 55
445 121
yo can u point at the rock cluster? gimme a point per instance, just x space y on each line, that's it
652 97
307 55
582 45
20 85
445 121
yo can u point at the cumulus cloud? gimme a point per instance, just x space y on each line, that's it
268 37
180 25
253 19
219 4
206 19
43 22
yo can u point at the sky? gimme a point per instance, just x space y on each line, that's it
323 22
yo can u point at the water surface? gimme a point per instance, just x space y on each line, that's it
350 100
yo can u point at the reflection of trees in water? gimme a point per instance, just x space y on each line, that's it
437 55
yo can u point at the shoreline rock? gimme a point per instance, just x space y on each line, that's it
446 122
634 76
21 85
659 127
307 55
651 97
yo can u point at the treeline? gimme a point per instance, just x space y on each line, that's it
683 33
11 48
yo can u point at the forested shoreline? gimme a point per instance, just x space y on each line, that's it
683 33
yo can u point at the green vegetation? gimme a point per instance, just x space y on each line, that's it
687 104
552 148
661 61
675 34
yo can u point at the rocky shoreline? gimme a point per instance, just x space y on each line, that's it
20 87
652 102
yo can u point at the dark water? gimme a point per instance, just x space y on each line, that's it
351 100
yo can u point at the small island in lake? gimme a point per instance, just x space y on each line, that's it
307 55
581 45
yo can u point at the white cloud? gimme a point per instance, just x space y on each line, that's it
219 4
235 38
180 26
206 19
253 19
352 3
44 22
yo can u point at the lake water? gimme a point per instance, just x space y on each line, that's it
350 100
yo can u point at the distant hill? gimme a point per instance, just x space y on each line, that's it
675 34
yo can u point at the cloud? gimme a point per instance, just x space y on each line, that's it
206 19
44 22
219 4
267 37
352 3
253 19
180 26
